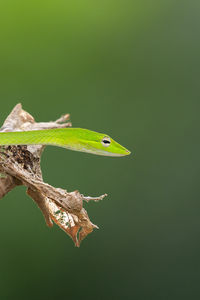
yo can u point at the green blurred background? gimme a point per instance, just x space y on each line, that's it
130 69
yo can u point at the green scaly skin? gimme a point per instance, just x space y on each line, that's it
77 139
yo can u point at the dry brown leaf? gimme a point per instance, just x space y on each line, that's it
20 165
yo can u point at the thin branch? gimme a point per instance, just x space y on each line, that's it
95 199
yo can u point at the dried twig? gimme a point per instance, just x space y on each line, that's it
20 165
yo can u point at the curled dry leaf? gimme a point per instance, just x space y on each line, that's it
20 165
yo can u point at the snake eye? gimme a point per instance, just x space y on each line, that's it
106 141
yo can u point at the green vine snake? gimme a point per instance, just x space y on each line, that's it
77 139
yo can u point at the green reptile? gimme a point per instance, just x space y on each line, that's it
77 139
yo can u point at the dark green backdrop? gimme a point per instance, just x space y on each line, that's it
130 69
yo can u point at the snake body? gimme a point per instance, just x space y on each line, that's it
77 139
